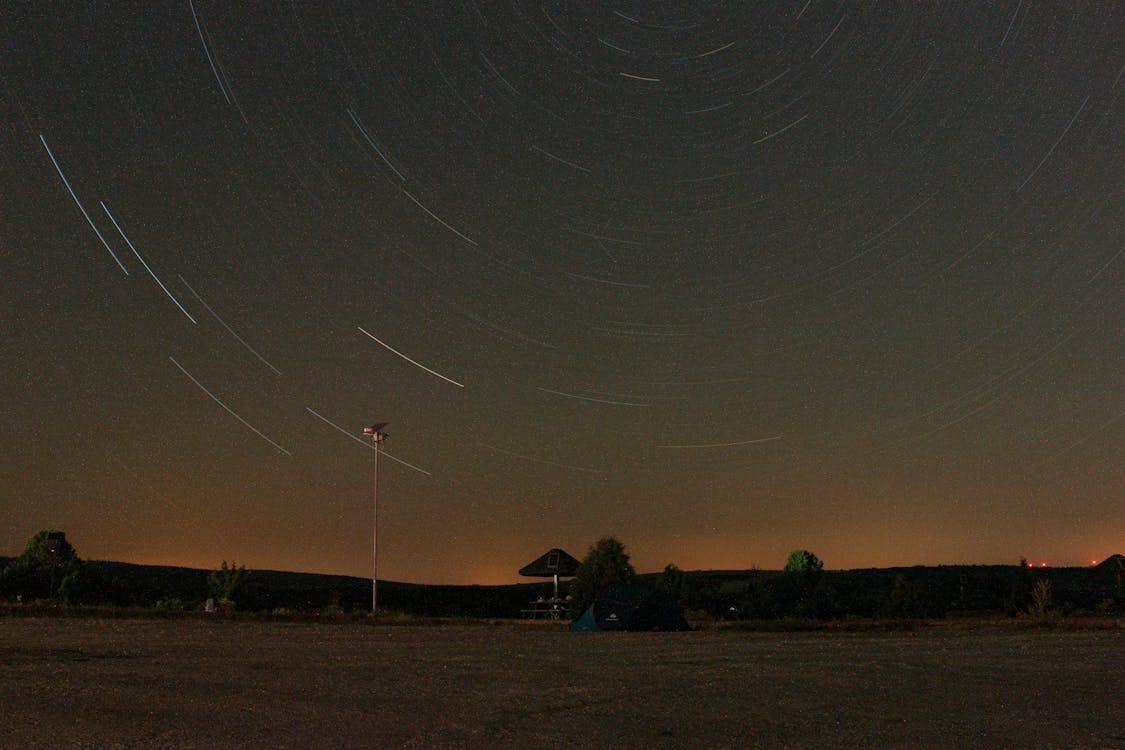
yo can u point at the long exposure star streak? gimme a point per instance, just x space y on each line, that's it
722 279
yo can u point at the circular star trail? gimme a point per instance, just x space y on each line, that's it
721 279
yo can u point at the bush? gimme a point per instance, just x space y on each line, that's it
1041 604
224 584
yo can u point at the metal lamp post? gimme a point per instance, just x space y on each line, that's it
377 436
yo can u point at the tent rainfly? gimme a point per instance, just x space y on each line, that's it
552 564
625 606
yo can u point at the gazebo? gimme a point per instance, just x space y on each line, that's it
552 564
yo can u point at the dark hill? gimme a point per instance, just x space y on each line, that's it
919 591
747 594
128 584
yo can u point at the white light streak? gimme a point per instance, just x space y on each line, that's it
594 400
606 281
560 160
830 35
1011 23
228 409
540 460
779 132
224 325
717 107
207 52
142 260
498 75
408 359
80 206
615 47
437 218
767 83
371 142
728 45
722 445
365 443
1107 265
1054 146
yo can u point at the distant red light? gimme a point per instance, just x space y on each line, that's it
1042 565
1031 565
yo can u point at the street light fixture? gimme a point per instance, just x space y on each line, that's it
377 436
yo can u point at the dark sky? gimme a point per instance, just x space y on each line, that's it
724 280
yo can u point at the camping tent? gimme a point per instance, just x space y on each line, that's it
631 607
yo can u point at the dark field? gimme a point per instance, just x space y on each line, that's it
193 683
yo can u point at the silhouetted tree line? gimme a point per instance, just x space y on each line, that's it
50 569
909 593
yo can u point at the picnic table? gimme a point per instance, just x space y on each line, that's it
546 609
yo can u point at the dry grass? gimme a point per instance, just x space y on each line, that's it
191 683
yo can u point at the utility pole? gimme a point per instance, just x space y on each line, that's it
375 432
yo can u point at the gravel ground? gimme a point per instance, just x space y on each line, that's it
215 684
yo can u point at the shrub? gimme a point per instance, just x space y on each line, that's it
1041 596
224 583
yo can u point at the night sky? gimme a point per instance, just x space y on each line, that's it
722 279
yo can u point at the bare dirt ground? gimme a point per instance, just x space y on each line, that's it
217 684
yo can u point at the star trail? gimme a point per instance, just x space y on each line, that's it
722 279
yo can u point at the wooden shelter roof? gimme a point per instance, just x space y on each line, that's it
554 562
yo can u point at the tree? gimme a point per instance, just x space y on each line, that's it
675 582
225 582
48 562
606 562
803 561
